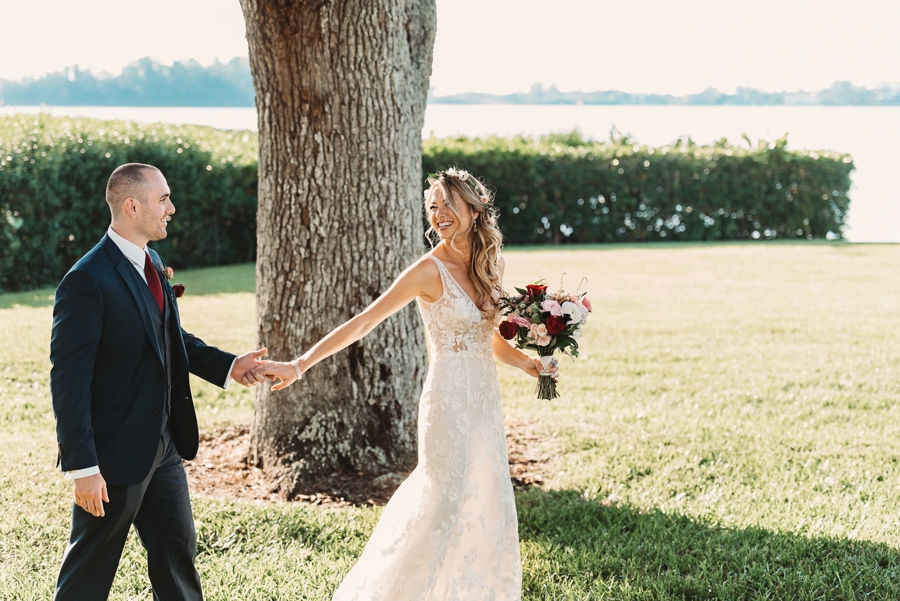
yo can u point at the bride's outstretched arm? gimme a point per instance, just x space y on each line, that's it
420 279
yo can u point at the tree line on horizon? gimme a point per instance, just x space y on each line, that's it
146 82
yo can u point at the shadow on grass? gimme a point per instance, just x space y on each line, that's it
204 281
586 550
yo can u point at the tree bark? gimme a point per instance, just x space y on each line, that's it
340 92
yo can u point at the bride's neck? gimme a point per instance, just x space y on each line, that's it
461 250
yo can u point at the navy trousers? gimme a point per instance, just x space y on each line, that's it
160 510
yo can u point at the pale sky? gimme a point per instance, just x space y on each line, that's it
501 46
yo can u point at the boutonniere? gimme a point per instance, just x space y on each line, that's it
178 289
164 270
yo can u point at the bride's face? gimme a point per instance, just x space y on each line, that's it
444 220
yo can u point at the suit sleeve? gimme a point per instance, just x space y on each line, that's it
75 337
208 362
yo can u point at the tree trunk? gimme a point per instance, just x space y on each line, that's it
340 92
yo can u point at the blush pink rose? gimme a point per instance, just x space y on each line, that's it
552 307
584 310
519 320
538 330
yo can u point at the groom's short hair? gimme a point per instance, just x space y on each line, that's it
127 181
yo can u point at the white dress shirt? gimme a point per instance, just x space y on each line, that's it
135 254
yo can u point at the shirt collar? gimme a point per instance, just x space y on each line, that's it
132 251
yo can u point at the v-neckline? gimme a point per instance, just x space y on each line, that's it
455 283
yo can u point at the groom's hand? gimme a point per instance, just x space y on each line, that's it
90 493
243 366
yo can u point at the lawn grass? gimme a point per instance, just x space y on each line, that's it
731 431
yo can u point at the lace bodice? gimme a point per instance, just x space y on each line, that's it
453 322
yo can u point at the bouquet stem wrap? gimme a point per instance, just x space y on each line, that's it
546 385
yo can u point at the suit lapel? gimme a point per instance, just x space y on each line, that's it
133 281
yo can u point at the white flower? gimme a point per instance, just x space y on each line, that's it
571 310
576 333
463 175
452 172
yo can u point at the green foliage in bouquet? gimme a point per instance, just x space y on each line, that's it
53 173
564 189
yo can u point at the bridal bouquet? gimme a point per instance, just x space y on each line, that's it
546 323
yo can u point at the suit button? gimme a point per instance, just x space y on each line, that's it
159 376
157 411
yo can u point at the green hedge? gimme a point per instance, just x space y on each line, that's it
557 189
53 174
563 189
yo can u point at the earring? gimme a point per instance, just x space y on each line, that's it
475 222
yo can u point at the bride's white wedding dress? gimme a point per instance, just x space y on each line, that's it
450 531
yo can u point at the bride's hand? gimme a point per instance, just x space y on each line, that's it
275 370
534 368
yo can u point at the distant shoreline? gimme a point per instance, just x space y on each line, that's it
6 107
188 84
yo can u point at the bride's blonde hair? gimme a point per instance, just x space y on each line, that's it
485 265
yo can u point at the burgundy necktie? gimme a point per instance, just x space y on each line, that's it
153 280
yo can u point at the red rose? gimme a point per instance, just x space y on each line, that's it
508 330
178 289
535 289
555 325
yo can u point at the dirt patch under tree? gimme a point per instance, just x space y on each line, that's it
221 470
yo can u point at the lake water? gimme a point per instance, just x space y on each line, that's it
870 134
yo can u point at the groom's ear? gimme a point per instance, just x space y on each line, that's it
129 207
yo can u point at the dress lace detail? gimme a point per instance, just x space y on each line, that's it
450 532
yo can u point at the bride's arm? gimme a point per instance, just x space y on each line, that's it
420 279
506 353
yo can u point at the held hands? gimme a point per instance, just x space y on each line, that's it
280 370
534 368
90 494
244 364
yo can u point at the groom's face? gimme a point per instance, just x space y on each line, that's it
156 210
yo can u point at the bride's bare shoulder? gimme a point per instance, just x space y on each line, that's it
427 276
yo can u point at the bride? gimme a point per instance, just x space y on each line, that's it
450 531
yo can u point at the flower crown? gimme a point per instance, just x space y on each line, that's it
461 175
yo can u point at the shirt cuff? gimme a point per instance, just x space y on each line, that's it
228 377
76 474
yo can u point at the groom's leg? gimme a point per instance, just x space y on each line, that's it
95 546
165 525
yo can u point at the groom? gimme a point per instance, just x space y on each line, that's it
121 396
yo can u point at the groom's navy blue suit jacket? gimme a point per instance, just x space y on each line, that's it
109 382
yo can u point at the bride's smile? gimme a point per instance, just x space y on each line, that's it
446 221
